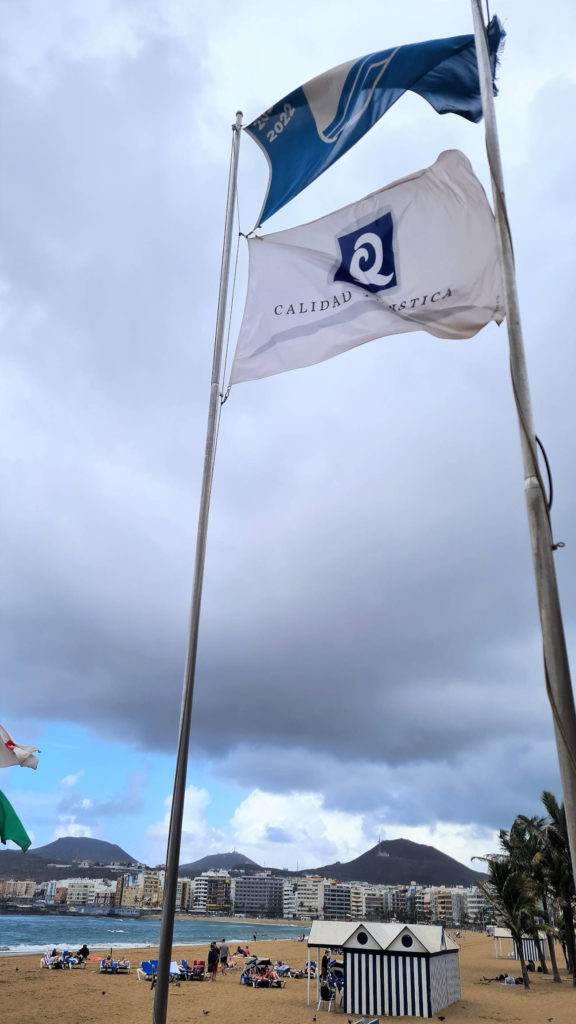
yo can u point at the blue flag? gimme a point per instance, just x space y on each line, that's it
312 127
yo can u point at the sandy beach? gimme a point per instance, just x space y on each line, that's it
31 994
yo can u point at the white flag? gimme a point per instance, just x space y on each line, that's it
420 254
12 753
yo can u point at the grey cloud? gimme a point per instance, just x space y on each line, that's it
126 800
277 835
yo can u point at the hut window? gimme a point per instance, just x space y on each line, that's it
362 938
407 941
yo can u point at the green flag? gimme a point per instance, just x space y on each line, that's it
11 827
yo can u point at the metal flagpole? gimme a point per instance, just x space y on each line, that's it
556 667
177 812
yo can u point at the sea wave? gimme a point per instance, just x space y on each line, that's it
24 949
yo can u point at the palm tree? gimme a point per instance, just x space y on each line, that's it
526 844
522 845
513 897
559 870
542 869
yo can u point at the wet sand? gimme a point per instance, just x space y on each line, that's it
31 994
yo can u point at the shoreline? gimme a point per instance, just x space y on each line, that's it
70 931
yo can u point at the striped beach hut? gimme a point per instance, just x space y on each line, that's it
505 947
393 969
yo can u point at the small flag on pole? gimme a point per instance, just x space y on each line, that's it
312 127
11 828
12 753
419 255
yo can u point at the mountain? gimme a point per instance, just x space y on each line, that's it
213 861
398 862
38 864
71 849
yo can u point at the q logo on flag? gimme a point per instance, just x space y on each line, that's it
367 256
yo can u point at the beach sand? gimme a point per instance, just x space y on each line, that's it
31 994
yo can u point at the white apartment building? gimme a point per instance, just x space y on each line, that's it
289 899
309 896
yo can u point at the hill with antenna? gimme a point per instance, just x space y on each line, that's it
399 862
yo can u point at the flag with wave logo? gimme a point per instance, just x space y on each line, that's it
11 828
419 255
312 127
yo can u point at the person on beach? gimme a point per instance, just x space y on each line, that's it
224 954
324 965
82 953
213 958
108 964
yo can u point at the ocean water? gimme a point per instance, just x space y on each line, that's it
37 933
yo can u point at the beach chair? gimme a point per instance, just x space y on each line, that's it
50 961
176 972
327 997
198 970
70 961
186 969
145 970
114 967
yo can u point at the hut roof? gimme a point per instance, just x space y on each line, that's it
426 938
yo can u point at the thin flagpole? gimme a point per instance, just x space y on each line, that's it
556 667
177 812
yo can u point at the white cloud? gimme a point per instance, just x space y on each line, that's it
198 838
71 828
71 780
301 828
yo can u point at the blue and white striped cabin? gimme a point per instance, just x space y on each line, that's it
506 947
393 969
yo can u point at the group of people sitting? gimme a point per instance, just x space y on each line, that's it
66 959
111 966
262 974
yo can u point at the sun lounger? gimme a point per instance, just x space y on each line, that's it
196 972
114 967
145 970
70 961
50 961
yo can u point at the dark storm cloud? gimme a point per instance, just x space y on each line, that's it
369 612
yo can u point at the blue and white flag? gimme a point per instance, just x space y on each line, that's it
307 131
419 255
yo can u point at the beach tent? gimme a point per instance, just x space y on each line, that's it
393 969
505 947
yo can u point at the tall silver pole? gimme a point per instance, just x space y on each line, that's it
177 812
556 667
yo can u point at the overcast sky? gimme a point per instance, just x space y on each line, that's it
370 654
